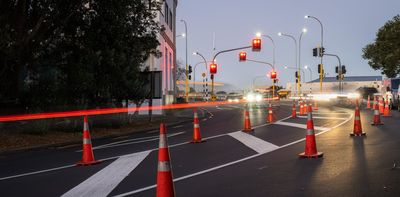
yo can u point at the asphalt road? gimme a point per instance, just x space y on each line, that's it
230 163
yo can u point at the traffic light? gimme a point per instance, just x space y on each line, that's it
256 44
337 77
320 68
296 75
343 69
190 69
273 75
275 80
315 52
337 69
190 77
297 80
213 68
211 77
242 56
321 51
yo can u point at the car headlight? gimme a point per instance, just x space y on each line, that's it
236 100
250 98
230 100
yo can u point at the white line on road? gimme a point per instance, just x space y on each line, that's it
324 117
103 182
121 143
257 144
178 126
302 126
227 164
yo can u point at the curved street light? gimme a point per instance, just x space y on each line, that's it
322 45
186 63
295 56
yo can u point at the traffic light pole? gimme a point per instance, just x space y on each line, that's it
213 60
340 71
273 68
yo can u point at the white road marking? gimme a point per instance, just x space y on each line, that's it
324 117
303 126
121 143
104 181
227 164
257 144
178 126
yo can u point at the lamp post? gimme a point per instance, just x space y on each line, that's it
322 45
205 64
273 58
295 57
308 68
186 65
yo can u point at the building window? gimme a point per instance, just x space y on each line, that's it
166 10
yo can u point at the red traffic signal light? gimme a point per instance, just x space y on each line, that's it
242 56
256 44
213 68
273 75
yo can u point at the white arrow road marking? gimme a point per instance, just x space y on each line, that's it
257 144
303 126
324 117
104 181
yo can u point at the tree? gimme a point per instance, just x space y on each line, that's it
384 53
75 53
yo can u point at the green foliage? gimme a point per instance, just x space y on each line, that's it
74 53
384 53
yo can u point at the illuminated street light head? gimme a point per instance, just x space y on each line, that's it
306 16
279 33
258 34
183 35
304 30
306 67
285 67
194 53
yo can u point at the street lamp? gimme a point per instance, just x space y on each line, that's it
258 34
304 30
322 45
308 68
186 63
205 64
295 56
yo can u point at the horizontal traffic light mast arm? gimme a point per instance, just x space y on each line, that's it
261 62
229 50
333 55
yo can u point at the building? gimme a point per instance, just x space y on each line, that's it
331 84
166 62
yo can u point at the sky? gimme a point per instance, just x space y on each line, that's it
349 25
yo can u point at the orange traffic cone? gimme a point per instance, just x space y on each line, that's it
375 103
315 105
386 111
247 124
377 117
165 184
368 103
196 129
294 113
87 152
357 130
301 108
311 145
270 118
381 106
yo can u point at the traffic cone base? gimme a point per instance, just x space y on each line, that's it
358 134
248 130
88 163
317 155
197 141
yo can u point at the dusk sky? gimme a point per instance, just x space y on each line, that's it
349 25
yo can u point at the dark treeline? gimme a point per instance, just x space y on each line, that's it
73 54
